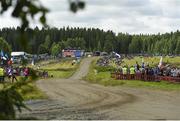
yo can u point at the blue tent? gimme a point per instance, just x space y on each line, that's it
77 53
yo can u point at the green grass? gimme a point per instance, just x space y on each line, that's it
62 65
104 78
62 69
153 61
61 74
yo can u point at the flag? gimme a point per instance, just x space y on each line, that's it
2 53
160 62
6 56
117 55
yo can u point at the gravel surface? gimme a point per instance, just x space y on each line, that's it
74 98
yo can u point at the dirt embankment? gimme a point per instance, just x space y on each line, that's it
76 99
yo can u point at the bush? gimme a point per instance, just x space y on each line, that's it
9 99
33 74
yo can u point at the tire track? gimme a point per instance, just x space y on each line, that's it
78 97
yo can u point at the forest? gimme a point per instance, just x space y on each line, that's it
45 40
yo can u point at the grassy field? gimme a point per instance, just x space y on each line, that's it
61 69
104 78
153 61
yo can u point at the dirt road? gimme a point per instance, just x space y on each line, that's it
74 98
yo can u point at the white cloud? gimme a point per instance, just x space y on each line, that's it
133 16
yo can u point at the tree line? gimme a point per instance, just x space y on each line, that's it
52 40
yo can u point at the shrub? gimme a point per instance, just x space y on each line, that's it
33 74
9 99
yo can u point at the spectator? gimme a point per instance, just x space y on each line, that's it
178 72
137 66
26 72
124 72
143 65
14 73
45 74
172 72
9 72
132 72
1 74
9 62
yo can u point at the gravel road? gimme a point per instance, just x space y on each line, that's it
74 98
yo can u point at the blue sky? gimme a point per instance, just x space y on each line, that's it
132 16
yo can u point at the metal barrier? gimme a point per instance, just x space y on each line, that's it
144 77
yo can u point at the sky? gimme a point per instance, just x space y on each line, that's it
127 16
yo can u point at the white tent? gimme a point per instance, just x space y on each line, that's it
18 53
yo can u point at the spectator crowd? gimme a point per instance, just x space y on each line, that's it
145 72
7 70
140 71
12 72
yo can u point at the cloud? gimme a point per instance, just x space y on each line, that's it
132 16
7 21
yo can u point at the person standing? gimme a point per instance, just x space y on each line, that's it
14 73
9 72
26 72
124 72
132 72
